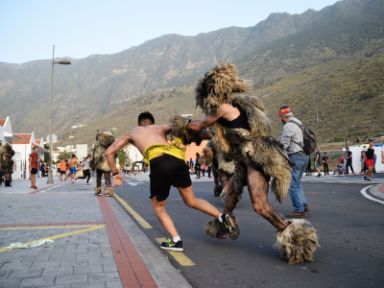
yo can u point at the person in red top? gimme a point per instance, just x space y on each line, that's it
34 166
369 160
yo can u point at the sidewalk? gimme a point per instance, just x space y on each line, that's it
95 242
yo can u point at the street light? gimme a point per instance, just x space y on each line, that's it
62 62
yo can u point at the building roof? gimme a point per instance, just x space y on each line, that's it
21 138
2 122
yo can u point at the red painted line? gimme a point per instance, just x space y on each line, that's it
47 224
132 269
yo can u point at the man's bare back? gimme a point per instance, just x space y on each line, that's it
145 136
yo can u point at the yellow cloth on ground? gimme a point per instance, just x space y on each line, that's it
175 149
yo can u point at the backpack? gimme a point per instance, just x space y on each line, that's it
309 138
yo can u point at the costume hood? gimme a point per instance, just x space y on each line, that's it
217 87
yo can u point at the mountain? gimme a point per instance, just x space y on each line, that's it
327 64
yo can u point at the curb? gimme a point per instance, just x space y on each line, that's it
370 193
159 264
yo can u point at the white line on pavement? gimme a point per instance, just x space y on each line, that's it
366 195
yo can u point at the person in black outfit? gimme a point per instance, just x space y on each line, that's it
325 162
197 166
308 170
349 161
369 160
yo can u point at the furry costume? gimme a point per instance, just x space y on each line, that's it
298 242
225 170
254 147
6 163
99 163
179 130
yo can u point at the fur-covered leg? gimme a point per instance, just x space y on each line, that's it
298 242
231 225
98 191
109 192
215 228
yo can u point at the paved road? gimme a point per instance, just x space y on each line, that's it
92 241
350 227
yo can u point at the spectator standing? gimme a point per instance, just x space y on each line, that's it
369 160
317 161
191 166
197 166
73 167
86 168
63 167
382 155
308 169
325 162
43 169
34 160
349 162
292 141
362 162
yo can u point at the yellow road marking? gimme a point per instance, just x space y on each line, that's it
62 235
180 257
133 213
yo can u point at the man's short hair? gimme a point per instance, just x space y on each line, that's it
145 115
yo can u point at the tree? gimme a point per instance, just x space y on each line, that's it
122 158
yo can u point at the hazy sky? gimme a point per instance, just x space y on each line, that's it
79 28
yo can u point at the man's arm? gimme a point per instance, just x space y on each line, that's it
208 120
166 128
286 136
29 163
111 153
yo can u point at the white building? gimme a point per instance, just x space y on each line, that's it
81 151
6 132
22 143
133 154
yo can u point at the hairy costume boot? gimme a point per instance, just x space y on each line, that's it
109 192
216 229
231 225
298 242
228 226
98 191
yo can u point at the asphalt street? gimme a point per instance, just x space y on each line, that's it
349 226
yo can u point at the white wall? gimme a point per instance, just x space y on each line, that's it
81 151
133 153
6 132
356 152
21 157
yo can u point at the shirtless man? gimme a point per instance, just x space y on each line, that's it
167 164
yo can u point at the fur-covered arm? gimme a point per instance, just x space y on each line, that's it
179 128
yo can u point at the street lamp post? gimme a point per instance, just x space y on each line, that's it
62 62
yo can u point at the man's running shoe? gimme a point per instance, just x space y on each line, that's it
172 246
230 222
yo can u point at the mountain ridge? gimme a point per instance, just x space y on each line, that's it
273 50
